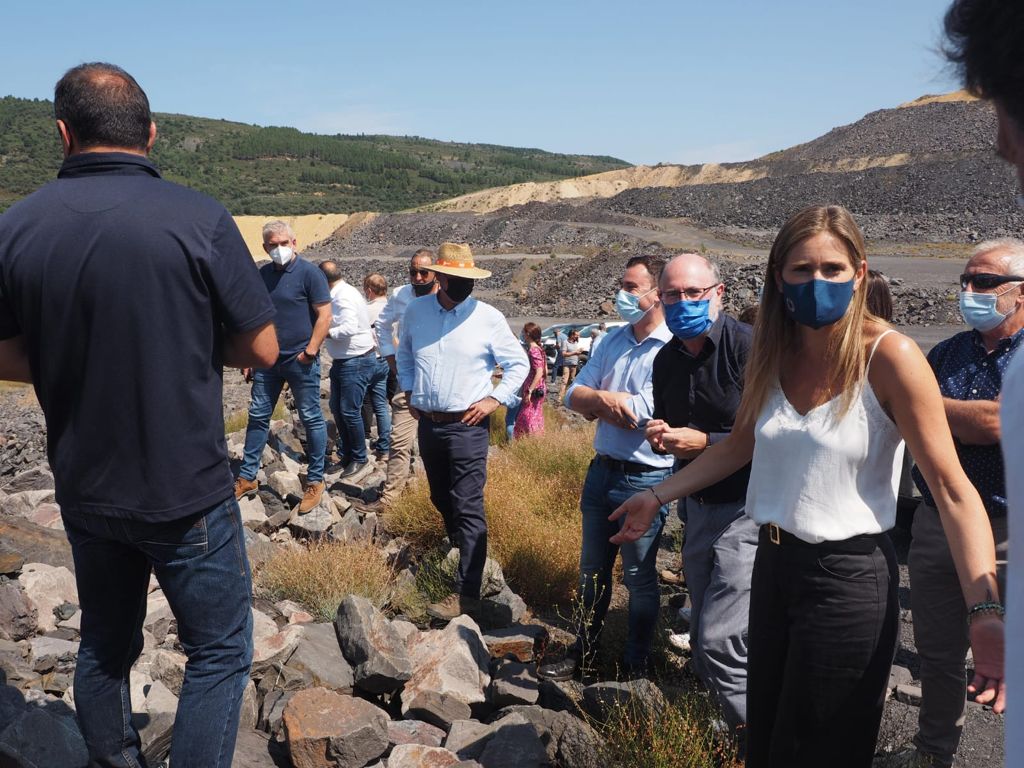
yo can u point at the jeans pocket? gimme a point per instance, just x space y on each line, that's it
174 540
848 567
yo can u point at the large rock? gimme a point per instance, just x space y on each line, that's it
640 698
50 652
46 515
18 616
10 561
255 750
36 479
318 656
23 503
41 737
286 485
517 743
159 617
513 683
48 587
520 640
153 710
414 732
450 673
370 643
272 713
35 543
169 668
276 648
325 729
420 756
569 741
316 523
254 515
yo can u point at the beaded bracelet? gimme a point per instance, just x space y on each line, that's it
981 609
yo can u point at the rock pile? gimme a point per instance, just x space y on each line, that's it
363 690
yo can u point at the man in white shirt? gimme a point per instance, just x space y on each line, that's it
422 282
449 348
350 345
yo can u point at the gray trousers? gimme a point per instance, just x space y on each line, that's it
940 631
718 558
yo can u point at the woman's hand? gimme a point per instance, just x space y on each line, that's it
639 509
987 644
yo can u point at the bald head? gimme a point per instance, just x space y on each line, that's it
331 271
694 269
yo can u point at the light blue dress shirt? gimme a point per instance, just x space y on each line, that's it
389 321
446 357
620 364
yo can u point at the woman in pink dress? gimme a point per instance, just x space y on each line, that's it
530 420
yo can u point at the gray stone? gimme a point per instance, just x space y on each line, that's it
255 750
515 744
908 694
43 736
450 673
564 696
48 587
406 630
420 756
325 729
74 623
286 485
318 656
520 640
641 698
23 503
900 676
36 479
350 528
254 515
46 515
18 616
35 543
276 648
467 738
513 682
313 524
414 732
250 712
159 616
169 668
503 609
372 645
272 712
49 652
569 741
153 713
11 562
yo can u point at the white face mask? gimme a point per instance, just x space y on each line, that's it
281 255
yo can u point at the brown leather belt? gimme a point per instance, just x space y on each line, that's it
443 417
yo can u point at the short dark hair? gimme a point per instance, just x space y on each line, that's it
102 105
984 40
532 331
653 265
424 252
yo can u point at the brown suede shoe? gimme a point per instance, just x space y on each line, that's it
314 492
245 487
454 606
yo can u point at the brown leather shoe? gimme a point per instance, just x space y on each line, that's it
314 492
245 487
454 606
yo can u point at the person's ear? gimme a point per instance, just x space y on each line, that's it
152 137
860 274
67 140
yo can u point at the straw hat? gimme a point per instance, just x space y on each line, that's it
456 259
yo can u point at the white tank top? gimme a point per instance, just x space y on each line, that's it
823 479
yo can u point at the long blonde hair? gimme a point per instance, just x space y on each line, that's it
775 332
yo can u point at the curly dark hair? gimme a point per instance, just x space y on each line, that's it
984 41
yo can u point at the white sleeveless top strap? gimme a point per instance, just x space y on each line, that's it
824 478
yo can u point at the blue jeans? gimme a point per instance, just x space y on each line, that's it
603 491
511 412
350 378
304 381
378 395
202 568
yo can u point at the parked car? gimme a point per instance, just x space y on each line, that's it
586 331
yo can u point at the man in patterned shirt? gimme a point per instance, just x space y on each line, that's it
969 367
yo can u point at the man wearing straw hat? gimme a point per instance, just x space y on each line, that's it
449 347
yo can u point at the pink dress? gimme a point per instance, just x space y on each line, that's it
531 414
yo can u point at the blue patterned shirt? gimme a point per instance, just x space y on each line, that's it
966 371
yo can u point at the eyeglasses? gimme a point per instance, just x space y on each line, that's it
984 281
414 272
691 294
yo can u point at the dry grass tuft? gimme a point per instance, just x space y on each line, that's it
533 517
681 736
322 575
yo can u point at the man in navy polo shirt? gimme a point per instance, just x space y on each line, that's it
303 302
122 296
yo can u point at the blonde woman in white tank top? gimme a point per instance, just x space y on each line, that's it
830 394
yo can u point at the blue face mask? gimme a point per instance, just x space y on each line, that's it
817 303
688 319
628 307
979 310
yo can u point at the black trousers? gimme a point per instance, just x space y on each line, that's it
822 636
455 459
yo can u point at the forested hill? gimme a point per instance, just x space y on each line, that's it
282 171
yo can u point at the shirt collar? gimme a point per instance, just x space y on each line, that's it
713 335
1004 343
660 333
113 163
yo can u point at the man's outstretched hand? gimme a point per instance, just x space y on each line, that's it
987 645
639 511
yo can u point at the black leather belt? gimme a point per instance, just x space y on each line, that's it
443 417
626 467
861 544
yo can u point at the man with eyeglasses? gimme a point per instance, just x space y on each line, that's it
969 367
698 384
422 282
614 387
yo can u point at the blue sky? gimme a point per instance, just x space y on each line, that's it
649 82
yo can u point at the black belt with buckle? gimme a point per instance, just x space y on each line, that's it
861 544
626 467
